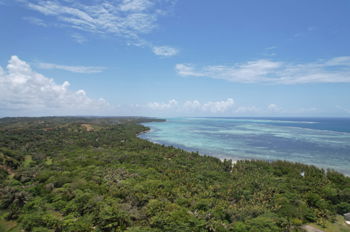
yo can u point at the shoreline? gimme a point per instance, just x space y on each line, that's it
233 159
221 158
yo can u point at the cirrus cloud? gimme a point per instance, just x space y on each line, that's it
334 70
69 68
126 19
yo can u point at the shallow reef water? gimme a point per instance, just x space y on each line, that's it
323 142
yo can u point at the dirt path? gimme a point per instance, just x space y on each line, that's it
9 170
309 228
87 127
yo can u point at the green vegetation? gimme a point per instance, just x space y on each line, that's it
9 226
338 226
94 174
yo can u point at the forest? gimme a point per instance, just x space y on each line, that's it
80 174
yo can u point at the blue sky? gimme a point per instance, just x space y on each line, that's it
175 58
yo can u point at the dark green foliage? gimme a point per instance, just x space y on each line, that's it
94 174
3 175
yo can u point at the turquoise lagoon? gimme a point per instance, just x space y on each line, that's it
324 142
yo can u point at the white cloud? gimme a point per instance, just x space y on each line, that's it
194 106
103 17
270 51
247 110
335 70
188 70
218 106
75 69
26 92
274 108
164 51
35 21
339 61
79 38
227 107
162 106
346 110
135 5
127 19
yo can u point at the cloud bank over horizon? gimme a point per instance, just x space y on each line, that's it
221 108
193 106
24 92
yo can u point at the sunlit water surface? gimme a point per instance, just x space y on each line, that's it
321 142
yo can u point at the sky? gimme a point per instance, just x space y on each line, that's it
170 58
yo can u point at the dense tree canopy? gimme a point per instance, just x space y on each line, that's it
94 174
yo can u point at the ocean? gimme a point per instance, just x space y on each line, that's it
323 142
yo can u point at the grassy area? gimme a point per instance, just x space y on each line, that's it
338 226
8 226
48 161
27 161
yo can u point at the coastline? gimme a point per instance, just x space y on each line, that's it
233 160
220 157
143 132
293 156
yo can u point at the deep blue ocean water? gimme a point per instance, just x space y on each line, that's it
324 142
